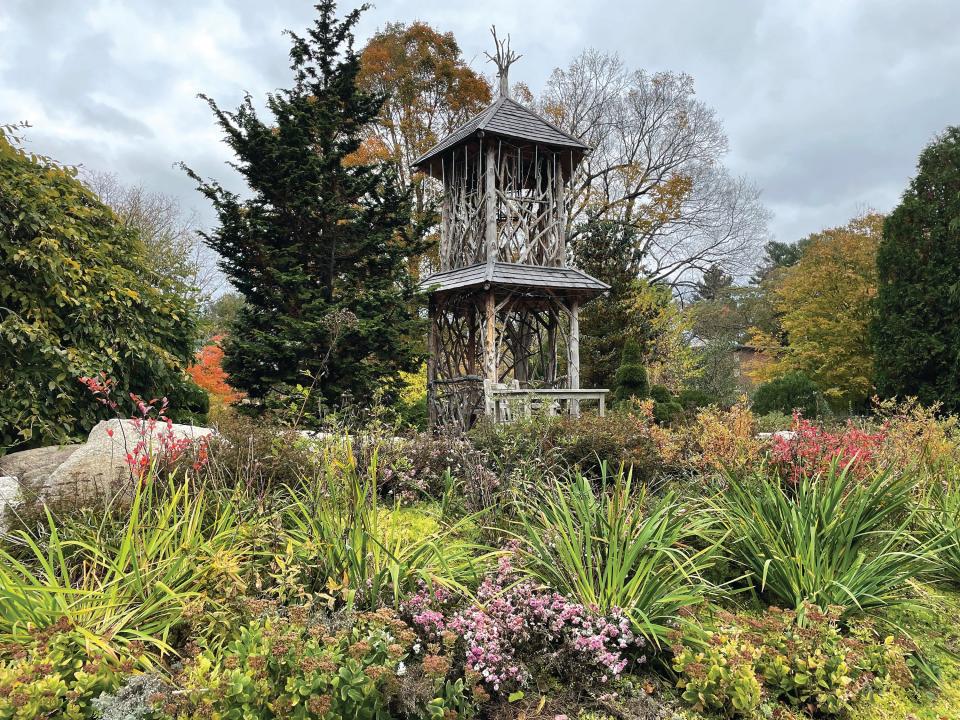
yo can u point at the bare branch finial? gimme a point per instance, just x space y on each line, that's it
504 58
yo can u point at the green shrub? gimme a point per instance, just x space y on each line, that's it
773 421
799 658
304 664
830 540
525 452
77 297
793 391
53 673
607 549
631 377
694 399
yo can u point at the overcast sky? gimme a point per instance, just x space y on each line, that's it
826 103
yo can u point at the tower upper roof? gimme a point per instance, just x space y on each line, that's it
508 119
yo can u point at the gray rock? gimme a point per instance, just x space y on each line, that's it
9 495
33 467
100 463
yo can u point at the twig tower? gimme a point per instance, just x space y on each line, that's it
504 308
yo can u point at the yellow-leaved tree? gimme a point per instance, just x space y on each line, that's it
825 306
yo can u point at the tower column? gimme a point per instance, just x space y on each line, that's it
573 354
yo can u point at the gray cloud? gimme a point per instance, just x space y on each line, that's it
827 103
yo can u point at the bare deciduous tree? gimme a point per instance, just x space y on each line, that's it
169 233
656 167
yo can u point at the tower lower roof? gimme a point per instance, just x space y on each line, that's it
561 280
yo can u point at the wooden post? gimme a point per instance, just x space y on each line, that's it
432 353
573 354
490 206
560 221
490 339
551 370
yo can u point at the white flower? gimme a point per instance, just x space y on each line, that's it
401 668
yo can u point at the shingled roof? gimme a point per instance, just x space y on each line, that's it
502 274
508 119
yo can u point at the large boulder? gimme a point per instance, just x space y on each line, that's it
101 462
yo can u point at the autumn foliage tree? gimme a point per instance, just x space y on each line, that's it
825 304
207 372
429 90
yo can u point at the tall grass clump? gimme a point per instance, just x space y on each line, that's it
118 581
829 539
341 542
938 523
611 549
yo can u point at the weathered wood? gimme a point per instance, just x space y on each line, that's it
490 338
433 352
490 204
573 353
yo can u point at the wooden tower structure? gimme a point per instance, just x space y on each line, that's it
504 307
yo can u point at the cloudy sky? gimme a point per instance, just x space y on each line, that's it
826 102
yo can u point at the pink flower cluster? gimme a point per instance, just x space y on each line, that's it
513 621
812 449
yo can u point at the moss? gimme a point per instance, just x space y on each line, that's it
933 626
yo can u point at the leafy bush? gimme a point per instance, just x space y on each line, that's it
304 664
607 550
425 467
631 377
527 451
920 438
793 391
724 440
831 540
774 421
77 297
53 673
694 399
812 450
800 658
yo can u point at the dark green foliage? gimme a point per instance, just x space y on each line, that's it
793 391
77 297
631 379
319 249
778 255
607 251
712 284
916 331
660 394
694 398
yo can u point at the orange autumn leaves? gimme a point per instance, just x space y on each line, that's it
208 372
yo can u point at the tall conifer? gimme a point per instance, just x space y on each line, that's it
916 331
319 245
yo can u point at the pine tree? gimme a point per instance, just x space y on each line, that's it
916 331
714 281
631 377
319 247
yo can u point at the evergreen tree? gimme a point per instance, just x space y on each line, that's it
631 378
319 249
916 331
714 281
